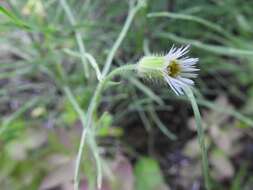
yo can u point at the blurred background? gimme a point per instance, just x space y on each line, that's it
146 135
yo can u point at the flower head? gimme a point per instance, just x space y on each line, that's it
174 68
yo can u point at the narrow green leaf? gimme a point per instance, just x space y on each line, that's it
13 18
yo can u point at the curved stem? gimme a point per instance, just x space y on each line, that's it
201 137
120 38
92 107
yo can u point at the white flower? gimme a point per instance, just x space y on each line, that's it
175 68
178 69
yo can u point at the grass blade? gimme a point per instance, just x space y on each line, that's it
78 36
220 50
13 18
196 19
201 138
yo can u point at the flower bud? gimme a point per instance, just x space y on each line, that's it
173 68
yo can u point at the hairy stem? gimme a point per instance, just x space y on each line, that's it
92 107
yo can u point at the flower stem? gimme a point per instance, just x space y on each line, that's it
91 109
201 138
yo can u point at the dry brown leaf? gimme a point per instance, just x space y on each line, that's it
123 174
34 139
189 173
58 177
226 139
222 166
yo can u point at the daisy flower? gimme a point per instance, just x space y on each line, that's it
175 68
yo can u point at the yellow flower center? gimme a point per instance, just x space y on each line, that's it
174 68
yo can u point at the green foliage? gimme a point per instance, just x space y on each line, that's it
13 18
69 115
53 54
14 130
148 174
105 128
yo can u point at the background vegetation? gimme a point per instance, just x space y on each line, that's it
146 136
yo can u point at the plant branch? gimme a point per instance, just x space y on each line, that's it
88 121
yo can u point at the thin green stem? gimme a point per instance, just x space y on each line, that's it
201 137
120 38
75 104
160 125
92 107
89 57
82 117
78 36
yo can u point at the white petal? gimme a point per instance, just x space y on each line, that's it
189 75
182 51
189 61
171 86
176 53
187 65
172 49
189 69
187 81
178 87
178 84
